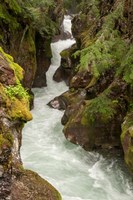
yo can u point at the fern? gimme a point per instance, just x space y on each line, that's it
13 5
107 49
126 68
38 12
101 108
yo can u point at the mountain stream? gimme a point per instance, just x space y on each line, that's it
77 174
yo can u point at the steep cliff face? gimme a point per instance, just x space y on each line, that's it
102 77
16 182
26 29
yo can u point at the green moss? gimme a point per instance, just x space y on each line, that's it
127 140
8 18
36 186
107 49
65 54
101 108
15 108
89 5
4 142
13 5
18 71
17 91
14 98
128 122
126 68
19 110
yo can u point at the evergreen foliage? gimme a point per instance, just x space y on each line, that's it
107 49
39 14
126 68
91 6
101 108
7 18
36 13
14 5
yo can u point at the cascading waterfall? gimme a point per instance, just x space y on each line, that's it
77 174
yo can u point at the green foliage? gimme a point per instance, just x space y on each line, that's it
126 68
101 108
36 3
89 5
101 55
7 18
16 91
110 20
13 5
107 49
39 14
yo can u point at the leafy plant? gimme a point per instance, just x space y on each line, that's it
17 91
107 49
126 68
101 107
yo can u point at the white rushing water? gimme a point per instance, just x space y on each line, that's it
77 174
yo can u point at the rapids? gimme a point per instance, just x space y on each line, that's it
77 174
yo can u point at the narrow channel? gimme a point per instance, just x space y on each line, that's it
77 174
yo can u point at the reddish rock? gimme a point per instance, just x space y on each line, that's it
7 75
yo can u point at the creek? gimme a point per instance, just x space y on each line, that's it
77 174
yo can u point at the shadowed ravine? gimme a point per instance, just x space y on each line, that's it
77 174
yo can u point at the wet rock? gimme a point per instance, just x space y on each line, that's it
62 74
127 140
7 75
43 56
63 36
59 103
5 187
81 79
91 127
66 69
31 186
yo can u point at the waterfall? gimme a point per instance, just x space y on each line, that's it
77 174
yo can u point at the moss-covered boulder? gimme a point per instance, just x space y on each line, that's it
29 185
96 123
66 69
127 140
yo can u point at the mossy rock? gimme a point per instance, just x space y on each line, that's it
13 98
29 185
18 71
127 140
18 110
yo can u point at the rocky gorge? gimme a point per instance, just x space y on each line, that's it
97 69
